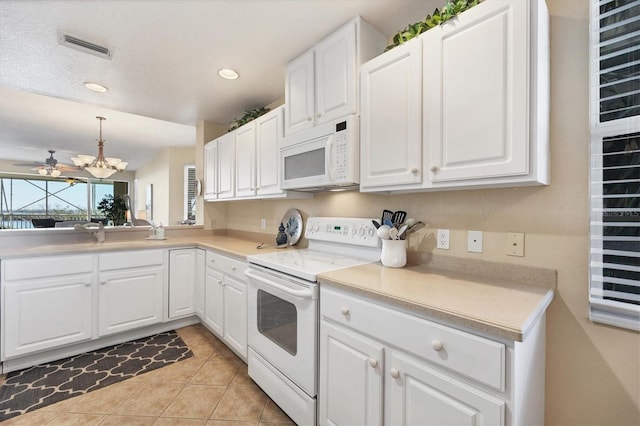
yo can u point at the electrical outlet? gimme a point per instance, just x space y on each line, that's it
263 224
515 244
474 241
443 239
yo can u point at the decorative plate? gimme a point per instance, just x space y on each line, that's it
292 221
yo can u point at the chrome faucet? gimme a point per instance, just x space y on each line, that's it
95 229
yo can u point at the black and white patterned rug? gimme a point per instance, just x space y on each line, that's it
36 387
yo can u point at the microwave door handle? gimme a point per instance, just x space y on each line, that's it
304 294
328 159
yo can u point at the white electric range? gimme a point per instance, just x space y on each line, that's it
283 308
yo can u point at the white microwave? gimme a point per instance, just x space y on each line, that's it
323 157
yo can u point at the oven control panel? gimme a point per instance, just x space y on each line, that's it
347 230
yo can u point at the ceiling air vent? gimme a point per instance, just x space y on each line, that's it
85 46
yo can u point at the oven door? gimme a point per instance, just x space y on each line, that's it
283 324
307 164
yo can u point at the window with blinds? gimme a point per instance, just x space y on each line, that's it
615 163
190 193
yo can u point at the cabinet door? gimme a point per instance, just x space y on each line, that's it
246 160
268 134
43 314
199 292
129 299
299 94
391 116
226 165
336 75
476 94
214 302
211 170
351 371
235 315
420 395
182 282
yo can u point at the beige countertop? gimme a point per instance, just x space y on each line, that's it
493 305
500 299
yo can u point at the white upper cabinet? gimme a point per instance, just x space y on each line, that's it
226 162
322 84
484 104
336 76
211 171
246 160
391 118
269 129
299 94
481 90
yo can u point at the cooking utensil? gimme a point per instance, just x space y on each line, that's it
417 226
376 223
387 215
410 221
393 233
398 218
402 230
383 232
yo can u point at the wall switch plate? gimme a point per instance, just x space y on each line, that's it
474 241
263 224
515 244
443 239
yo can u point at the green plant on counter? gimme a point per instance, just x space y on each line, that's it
248 116
113 208
450 10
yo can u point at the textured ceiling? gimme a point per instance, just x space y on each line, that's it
162 77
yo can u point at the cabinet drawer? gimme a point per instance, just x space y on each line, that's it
227 265
464 353
46 267
130 259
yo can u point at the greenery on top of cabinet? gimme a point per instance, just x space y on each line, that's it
448 11
248 116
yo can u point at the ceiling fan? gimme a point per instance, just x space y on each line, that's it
51 167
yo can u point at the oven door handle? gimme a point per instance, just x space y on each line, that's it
305 294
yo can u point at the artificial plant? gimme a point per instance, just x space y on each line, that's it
439 16
248 116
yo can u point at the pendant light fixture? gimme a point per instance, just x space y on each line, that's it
100 166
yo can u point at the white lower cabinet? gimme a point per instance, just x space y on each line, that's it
130 291
182 282
381 365
199 290
46 303
226 301
351 381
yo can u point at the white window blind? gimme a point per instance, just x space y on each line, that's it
190 192
615 163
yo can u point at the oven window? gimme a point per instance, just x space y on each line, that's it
305 164
278 321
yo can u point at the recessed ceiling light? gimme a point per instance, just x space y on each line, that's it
95 87
228 73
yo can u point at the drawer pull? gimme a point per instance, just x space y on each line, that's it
344 311
373 362
436 345
233 268
87 284
103 282
394 373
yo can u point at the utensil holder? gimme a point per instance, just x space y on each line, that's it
394 253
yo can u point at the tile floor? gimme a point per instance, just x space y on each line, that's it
211 388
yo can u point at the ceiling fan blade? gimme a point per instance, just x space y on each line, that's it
32 164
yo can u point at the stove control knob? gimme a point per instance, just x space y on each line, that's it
344 310
370 232
361 232
315 227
